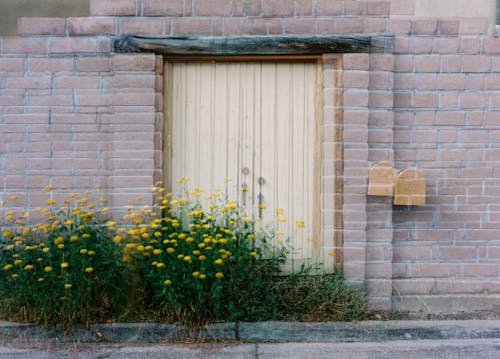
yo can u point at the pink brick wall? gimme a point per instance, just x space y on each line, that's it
74 113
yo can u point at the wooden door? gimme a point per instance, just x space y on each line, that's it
255 123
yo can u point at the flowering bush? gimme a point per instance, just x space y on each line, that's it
188 259
63 269
202 260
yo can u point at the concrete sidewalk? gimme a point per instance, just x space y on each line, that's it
328 332
369 339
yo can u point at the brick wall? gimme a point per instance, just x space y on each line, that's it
74 113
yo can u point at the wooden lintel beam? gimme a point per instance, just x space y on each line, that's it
244 45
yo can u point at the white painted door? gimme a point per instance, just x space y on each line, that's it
256 124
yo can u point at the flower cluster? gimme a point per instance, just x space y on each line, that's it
59 266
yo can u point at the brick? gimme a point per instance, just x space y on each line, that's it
380 99
446 45
475 82
144 26
451 81
401 45
300 26
50 64
356 62
11 64
76 81
427 63
402 100
491 45
41 26
325 26
424 26
421 45
133 62
92 26
91 64
451 63
356 79
278 8
114 8
254 7
18 45
402 7
212 8
72 45
425 81
404 81
474 26
329 8
448 101
474 101
493 82
448 27
239 8
196 26
303 8
476 63
425 100
375 25
348 25
399 27
378 8
470 46
33 82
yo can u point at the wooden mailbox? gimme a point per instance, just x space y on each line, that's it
381 179
409 188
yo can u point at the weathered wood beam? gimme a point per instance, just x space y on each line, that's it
244 45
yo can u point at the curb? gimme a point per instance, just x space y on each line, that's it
333 332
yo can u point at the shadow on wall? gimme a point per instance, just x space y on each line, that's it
11 10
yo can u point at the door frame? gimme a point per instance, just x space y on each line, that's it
318 135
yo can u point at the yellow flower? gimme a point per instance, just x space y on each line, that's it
48 188
7 266
219 275
202 257
68 286
117 239
167 282
196 274
64 265
300 223
60 246
50 202
15 275
331 253
218 261
160 265
170 250
91 253
180 256
157 251
48 269
41 279
89 270
203 276
28 267
17 261
196 252
187 259
73 238
111 224
58 240
281 219
68 222
253 254
246 219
